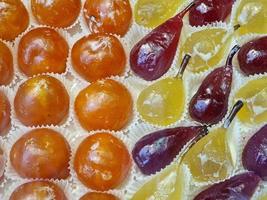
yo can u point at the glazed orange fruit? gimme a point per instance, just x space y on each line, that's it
42 50
105 104
42 100
108 16
5 120
39 190
102 162
14 19
6 64
56 13
41 153
2 164
98 56
98 196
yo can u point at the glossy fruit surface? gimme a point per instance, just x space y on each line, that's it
254 155
42 50
238 187
56 13
156 150
2 163
209 11
252 56
41 190
102 162
162 103
6 64
153 55
254 95
98 196
98 56
5 112
152 13
250 15
41 153
104 104
42 100
108 16
14 19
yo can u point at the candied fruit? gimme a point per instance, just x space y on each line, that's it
2 163
98 196
5 112
6 64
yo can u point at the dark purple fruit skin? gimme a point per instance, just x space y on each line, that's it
209 11
254 155
239 187
155 151
252 56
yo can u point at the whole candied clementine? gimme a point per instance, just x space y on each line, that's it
42 100
14 19
41 153
2 163
108 16
6 64
104 104
98 196
42 50
56 13
102 162
5 120
38 190
98 56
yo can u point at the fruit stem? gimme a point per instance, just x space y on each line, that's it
184 63
236 27
233 51
187 8
236 108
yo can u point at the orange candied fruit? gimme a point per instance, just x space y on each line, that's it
108 16
2 164
105 104
40 190
98 56
5 119
98 196
56 13
41 153
42 100
14 19
6 64
42 50
102 162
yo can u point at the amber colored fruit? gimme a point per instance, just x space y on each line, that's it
41 153
2 163
42 50
38 190
42 100
102 162
56 13
105 105
6 64
108 16
98 196
5 120
14 19
98 56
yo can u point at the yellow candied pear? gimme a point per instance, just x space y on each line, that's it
254 95
251 15
151 13
207 48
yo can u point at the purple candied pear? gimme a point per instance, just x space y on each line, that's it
239 187
153 55
254 155
209 104
155 151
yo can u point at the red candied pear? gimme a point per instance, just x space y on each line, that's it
153 55
209 104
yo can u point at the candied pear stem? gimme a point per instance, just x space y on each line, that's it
236 27
185 62
232 53
186 9
238 105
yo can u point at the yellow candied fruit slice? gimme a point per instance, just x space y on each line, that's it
151 13
207 48
162 103
210 158
254 95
